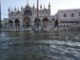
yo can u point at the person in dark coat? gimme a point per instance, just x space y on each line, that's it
56 23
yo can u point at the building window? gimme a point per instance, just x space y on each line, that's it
72 15
53 19
64 15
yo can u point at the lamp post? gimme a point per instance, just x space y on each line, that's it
37 8
0 16
37 15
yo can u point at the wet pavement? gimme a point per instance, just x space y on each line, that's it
58 45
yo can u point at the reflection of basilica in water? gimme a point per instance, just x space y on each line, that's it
26 18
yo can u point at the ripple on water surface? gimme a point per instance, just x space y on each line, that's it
43 46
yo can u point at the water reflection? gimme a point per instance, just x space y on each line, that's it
58 45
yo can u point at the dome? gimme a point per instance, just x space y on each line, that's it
27 7
18 12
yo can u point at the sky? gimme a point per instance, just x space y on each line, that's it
55 5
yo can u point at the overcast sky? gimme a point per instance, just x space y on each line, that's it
55 5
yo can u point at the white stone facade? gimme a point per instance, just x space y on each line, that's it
68 18
27 19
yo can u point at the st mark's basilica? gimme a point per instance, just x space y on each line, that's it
26 18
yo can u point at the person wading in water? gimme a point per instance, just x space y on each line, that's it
56 23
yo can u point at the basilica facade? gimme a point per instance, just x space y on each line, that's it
27 19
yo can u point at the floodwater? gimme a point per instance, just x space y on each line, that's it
57 45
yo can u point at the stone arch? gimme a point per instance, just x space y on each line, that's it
17 23
10 23
37 22
27 22
45 22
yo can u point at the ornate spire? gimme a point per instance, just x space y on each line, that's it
40 6
15 9
9 9
27 3
49 6
33 6
18 8
21 7
44 7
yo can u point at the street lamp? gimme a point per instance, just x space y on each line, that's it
0 16
37 15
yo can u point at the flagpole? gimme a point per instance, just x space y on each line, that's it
0 16
38 14
37 8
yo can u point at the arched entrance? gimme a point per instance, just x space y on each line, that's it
45 22
17 23
10 23
26 22
37 22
